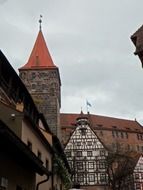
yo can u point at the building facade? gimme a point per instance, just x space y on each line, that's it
115 135
27 145
111 131
86 156
138 174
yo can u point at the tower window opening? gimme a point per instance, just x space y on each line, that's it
83 131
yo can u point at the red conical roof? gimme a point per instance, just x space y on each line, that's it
40 56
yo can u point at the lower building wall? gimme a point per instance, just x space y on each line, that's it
14 176
57 183
95 188
46 185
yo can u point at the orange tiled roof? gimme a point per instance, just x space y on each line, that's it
40 56
97 121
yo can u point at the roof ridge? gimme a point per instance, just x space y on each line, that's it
125 119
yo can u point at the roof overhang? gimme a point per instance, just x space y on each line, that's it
12 146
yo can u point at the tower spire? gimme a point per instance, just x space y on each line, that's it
40 22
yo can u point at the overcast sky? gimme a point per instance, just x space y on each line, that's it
89 40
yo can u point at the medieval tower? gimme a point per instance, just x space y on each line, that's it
41 77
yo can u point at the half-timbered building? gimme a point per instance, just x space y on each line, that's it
138 174
110 134
86 156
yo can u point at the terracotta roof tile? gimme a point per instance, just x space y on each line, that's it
126 130
97 121
40 56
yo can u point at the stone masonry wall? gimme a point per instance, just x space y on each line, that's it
44 86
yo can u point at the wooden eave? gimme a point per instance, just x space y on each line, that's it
15 89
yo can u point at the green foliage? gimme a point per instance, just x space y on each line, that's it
60 170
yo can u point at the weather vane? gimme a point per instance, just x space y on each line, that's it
40 22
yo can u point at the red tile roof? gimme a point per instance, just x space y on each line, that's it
97 121
40 56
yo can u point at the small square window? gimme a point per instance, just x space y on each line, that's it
91 177
29 144
136 176
102 153
101 133
80 177
83 131
138 148
103 178
138 136
102 165
99 125
78 143
79 165
90 165
126 134
138 186
78 153
47 163
113 133
89 143
117 134
89 153
68 154
122 134
39 154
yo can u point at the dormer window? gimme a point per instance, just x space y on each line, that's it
83 131
128 128
89 143
99 125
78 153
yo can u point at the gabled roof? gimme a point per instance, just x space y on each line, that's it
98 121
40 56
104 127
87 126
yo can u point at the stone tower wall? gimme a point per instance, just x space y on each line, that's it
44 86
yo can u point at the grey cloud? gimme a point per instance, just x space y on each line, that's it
3 1
89 41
